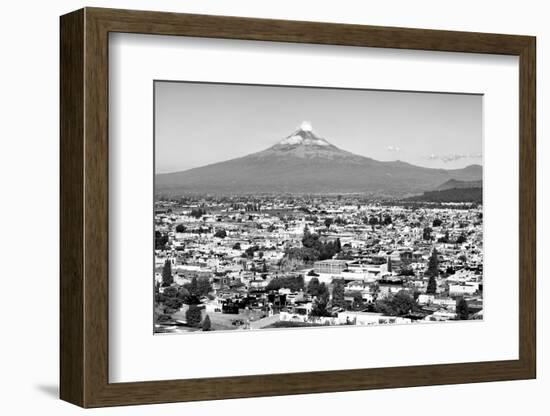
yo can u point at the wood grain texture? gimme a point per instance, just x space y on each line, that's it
71 184
84 207
527 208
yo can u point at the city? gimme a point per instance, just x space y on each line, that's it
293 261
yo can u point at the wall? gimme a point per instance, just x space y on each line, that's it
29 175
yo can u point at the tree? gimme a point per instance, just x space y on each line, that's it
313 287
167 278
320 306
249 252
164 318
275 284
427 233
221 233
437 222
206 325
432 286
237 246
203 287
340 221
387 219
198 212
193 316
398 305
345 255
160 240
170 292
358 302
196 289
190 292
445 238
182 294
406 270
389 265
302 254
297 283
193 286
313 249
323 290
310 240
180 228
462 309
461 239
433 264
294 283
173 303
338 289
328 222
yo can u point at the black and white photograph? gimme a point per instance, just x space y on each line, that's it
254 208
279 207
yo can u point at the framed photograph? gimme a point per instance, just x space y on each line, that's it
257 207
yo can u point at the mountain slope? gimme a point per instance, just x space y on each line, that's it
306 163
451 195
456 184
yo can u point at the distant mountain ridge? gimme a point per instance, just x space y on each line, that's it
451 195
456 184
304 162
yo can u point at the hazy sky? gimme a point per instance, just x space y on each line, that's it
197 123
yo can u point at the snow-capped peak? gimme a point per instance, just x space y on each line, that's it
306 126
304 135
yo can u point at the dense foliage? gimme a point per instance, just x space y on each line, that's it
221 233
198 212
313 249
451 195
206 324
462 309
338 289
167 278
294 283
399 304
193 316
160 240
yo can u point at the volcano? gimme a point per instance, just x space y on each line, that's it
305 162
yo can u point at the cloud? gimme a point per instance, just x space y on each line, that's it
452 157
393 149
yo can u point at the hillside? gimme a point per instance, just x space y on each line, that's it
451 195
453 183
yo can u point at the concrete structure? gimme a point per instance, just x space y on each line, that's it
464 289
330 266
369 318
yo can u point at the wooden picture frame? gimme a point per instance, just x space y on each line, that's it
84 207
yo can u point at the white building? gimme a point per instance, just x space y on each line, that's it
463 289
369 318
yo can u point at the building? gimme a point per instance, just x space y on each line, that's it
463 289
330 266
369 318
